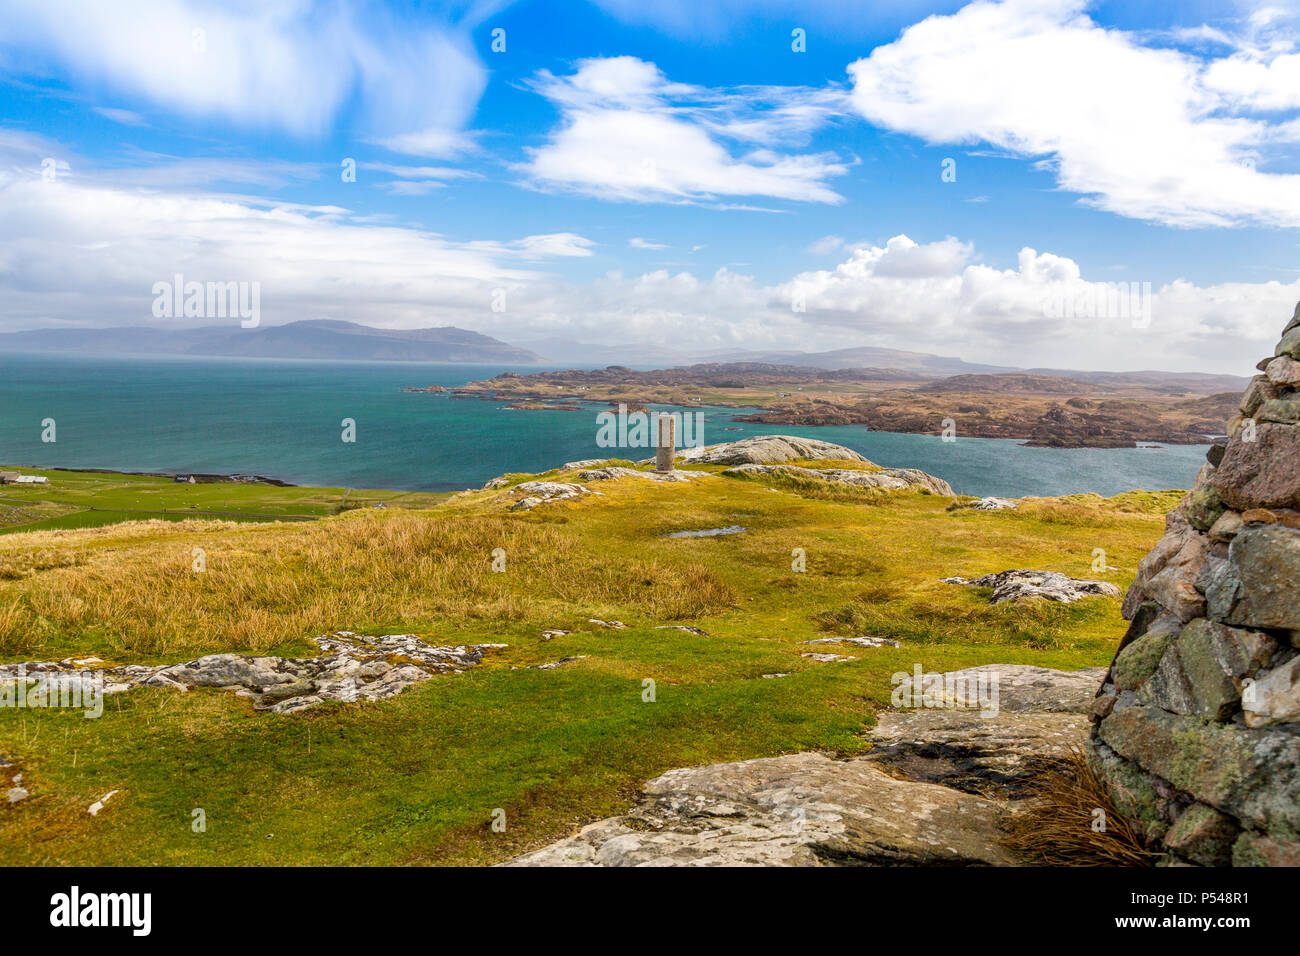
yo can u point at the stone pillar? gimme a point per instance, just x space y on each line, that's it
665 442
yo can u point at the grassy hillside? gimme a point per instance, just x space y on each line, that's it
93 499
416 779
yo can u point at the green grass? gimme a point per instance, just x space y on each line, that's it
415 779
94 499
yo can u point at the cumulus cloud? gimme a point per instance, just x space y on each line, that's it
1147 132
628 133
81 251
935 297
286 64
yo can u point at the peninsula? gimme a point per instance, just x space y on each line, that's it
1092 410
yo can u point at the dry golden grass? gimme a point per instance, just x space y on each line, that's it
1056 826
265 586
1088 508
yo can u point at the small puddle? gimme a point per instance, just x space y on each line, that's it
707 532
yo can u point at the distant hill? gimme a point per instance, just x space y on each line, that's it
1174 382
309 339
869 356
942 366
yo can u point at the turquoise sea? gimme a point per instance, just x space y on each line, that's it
282 419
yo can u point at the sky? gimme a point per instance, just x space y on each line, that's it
984 180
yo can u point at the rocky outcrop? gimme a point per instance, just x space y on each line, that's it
767 450
1197 724
995 504
865 641
933 791
1042 716
353 667
614 473
799 810
1050 585
891 479
541 492
985 504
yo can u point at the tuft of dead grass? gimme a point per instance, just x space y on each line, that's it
1056 825
266 586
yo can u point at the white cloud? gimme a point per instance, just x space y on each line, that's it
627 133
636 242
81 251
564 244
708 20
416 180
411 187
420 172
1151 133
167 172
434 143
1257 82
932 297
125 117
286 64
826 245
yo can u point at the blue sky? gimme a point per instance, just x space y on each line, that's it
675 174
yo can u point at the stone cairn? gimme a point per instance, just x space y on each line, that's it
1196 728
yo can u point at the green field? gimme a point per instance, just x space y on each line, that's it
416 779
93 499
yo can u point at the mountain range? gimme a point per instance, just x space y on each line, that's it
309 339
327 339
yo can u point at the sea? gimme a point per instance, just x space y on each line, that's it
285 419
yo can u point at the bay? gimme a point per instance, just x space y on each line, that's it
283 419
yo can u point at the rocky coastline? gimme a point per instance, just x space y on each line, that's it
1037 410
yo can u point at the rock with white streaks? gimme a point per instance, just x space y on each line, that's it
1052 585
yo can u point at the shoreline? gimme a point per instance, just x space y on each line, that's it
763 416
235 478
1031 409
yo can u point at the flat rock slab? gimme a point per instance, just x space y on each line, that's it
798 810
1024 688
1041 716
997 756
931 793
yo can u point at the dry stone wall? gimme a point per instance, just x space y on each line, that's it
1196 728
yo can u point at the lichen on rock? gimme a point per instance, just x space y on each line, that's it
1199 738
